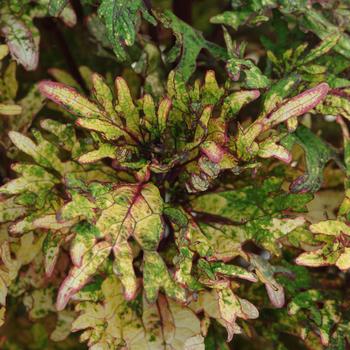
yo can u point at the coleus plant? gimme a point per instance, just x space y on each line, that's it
139 223
175 215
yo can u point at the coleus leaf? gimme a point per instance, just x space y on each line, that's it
33 179
124 269
44 153
323 317
144 326
30 104
63 326
51 249
151 66
279 92
20 40
39 302
56 6
218 270
253 77
156 121
103 93
267 232
10 210
183 328
126 105
225 307
70 99
248 214
297 105
65 134
79 206
238 17
85 238
324 47
8 109
336 103
157 277
222 242
234 102
317 155
9 82
323 28
265 272
231 307
28 248
104 117
79 275
290 109
104 151
250 202
214 159
134 211
107 325
269 148
121 18
50 222
126 211
191 41
334 251
2 315
184 265
62 76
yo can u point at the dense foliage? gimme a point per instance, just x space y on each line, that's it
174 175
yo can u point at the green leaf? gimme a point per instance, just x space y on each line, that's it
232 18
126 106
78 207
191 42
251 202
104 151
231 307
121 19
324 318
34 179
51 249
318 24
56 6
123 268
235 101
317 155
156 277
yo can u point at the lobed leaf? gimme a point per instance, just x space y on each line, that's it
79 275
